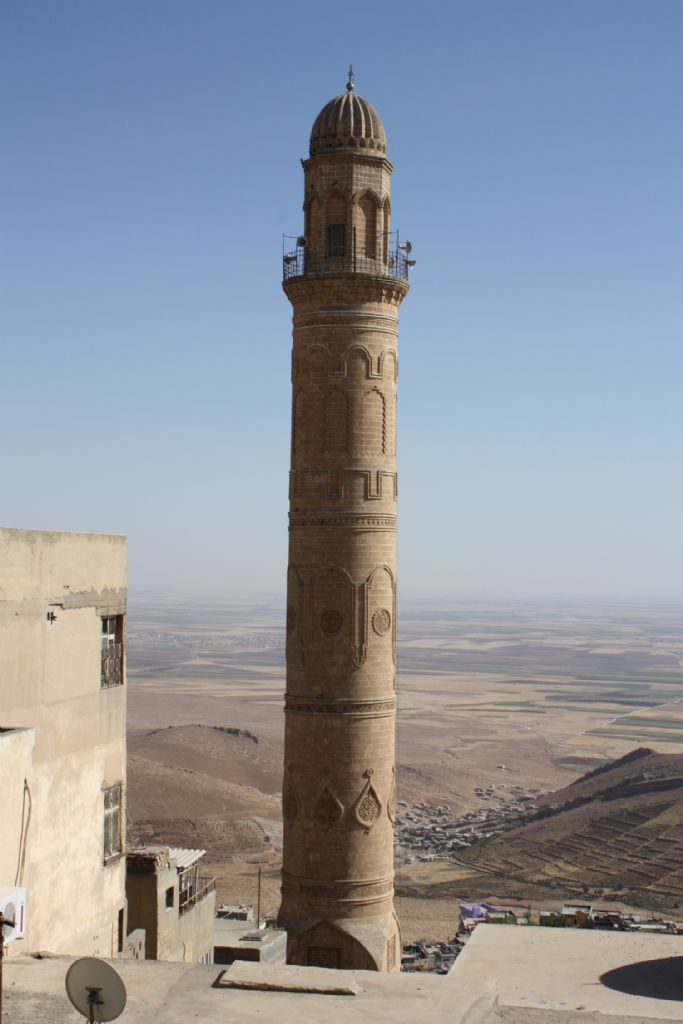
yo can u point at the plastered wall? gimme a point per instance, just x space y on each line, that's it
54 590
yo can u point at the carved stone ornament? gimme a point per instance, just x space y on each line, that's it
368 806
330 622
291 618
381 621
328 809
392 804
290 801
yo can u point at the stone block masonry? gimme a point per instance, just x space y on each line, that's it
339 788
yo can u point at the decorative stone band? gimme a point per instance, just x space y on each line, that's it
341 318
351 891
318 706
358 520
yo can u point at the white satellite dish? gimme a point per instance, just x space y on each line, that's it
95 989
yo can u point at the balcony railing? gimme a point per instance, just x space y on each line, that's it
112 665
300 261
188 898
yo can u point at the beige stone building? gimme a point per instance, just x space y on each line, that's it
62 740
345 277
172 902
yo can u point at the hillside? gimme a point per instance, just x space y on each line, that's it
617 831
206 786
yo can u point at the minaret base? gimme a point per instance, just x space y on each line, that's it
371 944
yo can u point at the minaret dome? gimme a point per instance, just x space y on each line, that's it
348 122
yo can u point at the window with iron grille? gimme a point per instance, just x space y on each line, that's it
112 651
335 239
112 821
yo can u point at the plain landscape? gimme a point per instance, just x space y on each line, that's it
499 706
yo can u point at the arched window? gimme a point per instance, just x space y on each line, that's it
312 222
366 238
336 225
385 230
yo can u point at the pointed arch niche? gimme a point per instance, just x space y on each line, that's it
336 225
386 227
366 227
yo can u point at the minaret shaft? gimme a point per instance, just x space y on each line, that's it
339 789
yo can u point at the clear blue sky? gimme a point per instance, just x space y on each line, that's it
150 163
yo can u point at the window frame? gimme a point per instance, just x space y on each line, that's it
112 650
336 240
112 822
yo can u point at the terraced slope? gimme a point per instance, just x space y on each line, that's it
617 831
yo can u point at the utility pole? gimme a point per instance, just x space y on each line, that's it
258 903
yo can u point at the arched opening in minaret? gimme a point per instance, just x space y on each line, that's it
336 225
312 223
366 235
386 214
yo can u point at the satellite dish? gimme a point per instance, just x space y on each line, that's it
95 989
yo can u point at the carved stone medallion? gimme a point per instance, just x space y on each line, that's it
381 621
368 806
330 622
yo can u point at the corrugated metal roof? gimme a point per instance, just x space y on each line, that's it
185 858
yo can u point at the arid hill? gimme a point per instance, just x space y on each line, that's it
214 787
617 831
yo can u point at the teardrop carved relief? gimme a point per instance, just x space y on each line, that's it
328 809
368 807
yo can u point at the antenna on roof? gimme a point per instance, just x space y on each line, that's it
350 84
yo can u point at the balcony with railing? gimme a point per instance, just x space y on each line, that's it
393 260
112 665
190 897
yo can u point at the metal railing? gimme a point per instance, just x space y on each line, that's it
300 261
112 666
188 898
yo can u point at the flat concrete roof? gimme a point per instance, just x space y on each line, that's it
569 973
234 933
505 975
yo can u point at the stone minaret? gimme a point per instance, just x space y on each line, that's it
345 278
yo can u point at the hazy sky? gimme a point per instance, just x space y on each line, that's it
150 163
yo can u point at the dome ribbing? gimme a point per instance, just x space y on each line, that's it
348 121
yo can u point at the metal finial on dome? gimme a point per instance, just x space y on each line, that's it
350 84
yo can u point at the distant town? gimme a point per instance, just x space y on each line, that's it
425 832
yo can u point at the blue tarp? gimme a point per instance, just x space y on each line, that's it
476 910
